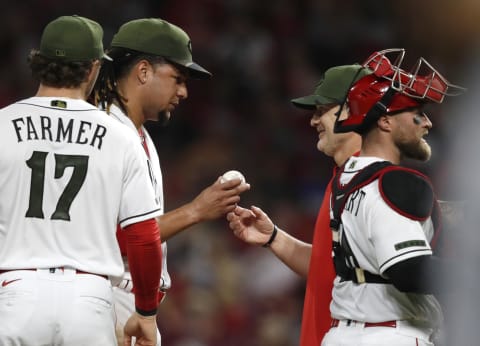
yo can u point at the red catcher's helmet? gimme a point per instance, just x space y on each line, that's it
390 89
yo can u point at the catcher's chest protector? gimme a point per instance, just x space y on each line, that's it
405 190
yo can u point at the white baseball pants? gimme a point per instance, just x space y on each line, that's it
356 334
55 307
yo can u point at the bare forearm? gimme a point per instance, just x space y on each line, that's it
177 220
293 252
213 202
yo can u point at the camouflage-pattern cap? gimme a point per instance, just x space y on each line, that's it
334 86
159 37
72 38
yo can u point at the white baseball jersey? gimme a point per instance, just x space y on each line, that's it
69 174
155 179
373 229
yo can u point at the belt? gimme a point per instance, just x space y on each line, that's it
391 324
52 270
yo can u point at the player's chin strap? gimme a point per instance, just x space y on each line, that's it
345 263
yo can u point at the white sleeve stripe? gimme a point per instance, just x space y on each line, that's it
154 212
419 252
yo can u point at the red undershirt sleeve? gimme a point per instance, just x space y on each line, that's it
122 241
145 261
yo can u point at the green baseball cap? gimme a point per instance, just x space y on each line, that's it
72 38
333 87
159 37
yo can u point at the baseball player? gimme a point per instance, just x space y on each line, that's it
68 175
381 214
312 261
369 309
152 60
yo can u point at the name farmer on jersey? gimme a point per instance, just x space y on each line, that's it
59 130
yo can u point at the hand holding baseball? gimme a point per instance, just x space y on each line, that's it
230 175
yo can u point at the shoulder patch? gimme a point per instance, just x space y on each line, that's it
407 192
58 103
410 243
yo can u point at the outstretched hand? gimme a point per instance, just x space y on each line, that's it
252 226
218 199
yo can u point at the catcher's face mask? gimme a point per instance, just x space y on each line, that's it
390 89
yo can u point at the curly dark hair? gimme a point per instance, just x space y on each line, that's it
57 73
105 90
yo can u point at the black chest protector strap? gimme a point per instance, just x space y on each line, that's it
405 190
345 263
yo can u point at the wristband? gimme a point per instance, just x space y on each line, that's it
272 237
146 313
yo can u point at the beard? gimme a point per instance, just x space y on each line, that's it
419 150
163 118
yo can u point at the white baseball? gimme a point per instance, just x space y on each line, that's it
232 175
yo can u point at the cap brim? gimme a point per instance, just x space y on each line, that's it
106 57
310 102
197 71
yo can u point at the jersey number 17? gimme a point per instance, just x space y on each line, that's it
37 183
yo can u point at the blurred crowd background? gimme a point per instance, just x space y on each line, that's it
261 54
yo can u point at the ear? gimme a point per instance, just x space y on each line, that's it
94 70
91 77
344 111
384 123
141 71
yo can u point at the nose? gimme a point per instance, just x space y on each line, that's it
314 120
429 124
182 91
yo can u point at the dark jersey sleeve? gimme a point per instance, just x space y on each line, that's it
425 275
